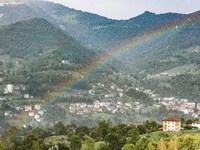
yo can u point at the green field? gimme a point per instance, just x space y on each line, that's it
156 136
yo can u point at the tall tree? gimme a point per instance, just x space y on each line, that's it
75 143
196 143
128 147
161 145
150 146
142 144
173 144
186 143
89 143
114 141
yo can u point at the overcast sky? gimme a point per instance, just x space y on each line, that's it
124 9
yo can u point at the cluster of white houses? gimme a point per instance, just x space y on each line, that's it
97 106
111 92
10 88
173 103
182 105
33 111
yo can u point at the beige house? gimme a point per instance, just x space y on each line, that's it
172 124
28 108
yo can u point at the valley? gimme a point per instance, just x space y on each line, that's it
61 66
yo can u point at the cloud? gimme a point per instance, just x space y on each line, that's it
124 9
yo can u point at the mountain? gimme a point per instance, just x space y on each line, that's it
43 45
91 30
172 49
36 37
39 55
171 44
101 33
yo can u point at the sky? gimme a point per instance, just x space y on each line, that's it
125 9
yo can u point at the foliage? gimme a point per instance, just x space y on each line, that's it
128 147
68 137
75 143
89 143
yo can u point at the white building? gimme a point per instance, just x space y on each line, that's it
31 114
37 107
8 114
41 112
26 96
96 104
121 94
9 88
196 124
28 108
36 116
172 124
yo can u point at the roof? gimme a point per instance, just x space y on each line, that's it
172 119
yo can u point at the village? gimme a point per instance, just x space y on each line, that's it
33 110
171 103
107 99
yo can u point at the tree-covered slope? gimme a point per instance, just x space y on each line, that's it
39 55
165 50
90 29
35 37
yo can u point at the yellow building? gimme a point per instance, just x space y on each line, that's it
172 124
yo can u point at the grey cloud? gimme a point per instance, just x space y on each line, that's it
124 9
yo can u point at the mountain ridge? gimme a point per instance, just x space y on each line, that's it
34 37
84 26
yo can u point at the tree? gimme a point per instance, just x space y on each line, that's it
142 144
173 144
62 146
161 145
196 143
134 135
89 143
59 128
186 143
103 146
114 141
150 146
81 131
141 129
103 128
75 143
128 147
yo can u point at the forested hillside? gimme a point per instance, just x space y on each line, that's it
90 29
104 136
80 68
34 53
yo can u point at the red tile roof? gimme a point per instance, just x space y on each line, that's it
172 119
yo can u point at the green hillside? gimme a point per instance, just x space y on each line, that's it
35 53
90 29
37 37
103 136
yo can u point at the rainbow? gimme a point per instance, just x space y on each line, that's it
119 50
108 55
